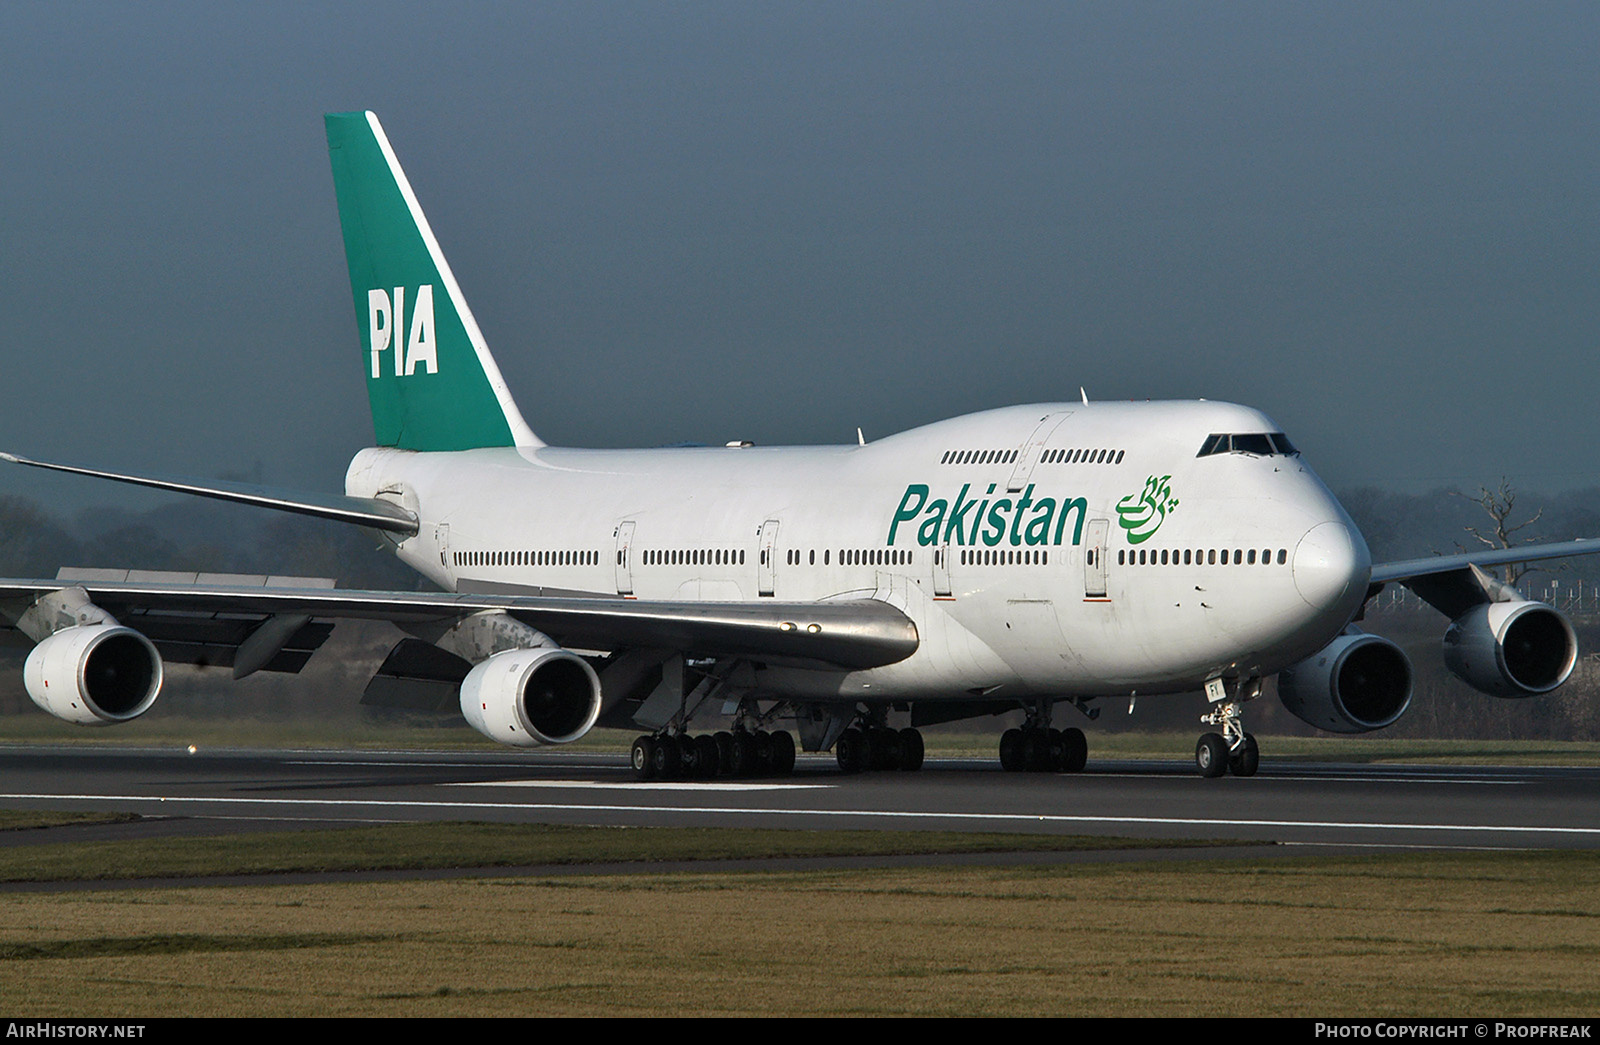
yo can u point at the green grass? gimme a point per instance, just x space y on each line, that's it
481 845
1480 935
27 819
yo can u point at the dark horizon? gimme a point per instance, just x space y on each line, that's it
711 222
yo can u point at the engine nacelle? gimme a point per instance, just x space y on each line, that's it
1355 684
94 675
1511 649
529 697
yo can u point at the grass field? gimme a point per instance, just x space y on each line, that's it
1479 934
1450 935
412 847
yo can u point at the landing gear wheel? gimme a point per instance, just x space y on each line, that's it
782 753
1036 751
668 761
910 749
1245 761
644 758
852 751
1211 755
708 756
743 762
885 744
763 748
1012 744
1074 750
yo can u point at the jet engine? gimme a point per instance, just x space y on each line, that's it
94 675
529 697
1357 683
1511 649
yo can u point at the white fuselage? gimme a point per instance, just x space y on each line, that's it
1012 538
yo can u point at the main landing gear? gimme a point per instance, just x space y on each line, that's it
1040 748
1233 750
735 753
861 748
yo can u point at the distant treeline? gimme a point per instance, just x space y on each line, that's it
194 535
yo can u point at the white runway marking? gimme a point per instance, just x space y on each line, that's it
643 785
829 814
1364 778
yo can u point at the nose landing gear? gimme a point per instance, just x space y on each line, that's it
1233 750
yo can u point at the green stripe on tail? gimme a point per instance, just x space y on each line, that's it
430 379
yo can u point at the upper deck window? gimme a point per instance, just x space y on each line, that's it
1262 444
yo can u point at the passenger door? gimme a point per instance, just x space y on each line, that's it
1094 559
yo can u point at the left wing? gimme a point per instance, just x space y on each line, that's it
192 610
526 668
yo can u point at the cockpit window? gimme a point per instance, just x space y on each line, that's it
1262 444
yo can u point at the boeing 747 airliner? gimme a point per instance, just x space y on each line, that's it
1027 558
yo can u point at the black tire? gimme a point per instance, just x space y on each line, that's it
1058 750
851 750
1211 755
885 744
1011 750
782 753
1074 750
708 756
1036 751
644 758
1246 760
668 762
911 750
743 762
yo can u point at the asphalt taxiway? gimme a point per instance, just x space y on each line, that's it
1294 804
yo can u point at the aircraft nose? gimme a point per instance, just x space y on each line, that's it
1329 562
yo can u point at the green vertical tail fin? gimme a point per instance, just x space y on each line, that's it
430 379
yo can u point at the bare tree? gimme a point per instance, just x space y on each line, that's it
1499 505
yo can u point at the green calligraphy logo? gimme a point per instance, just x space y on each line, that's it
1141 514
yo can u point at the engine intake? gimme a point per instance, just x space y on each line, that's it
94 675
1357 683
530 697
1511 649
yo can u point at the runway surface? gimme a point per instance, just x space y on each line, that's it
1298 804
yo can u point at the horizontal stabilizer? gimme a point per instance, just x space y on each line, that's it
362 511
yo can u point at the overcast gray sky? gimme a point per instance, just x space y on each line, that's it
1378 222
